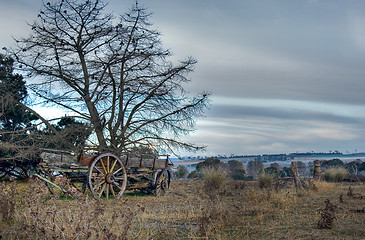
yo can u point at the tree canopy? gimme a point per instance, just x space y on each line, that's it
20 136
13 117
111 72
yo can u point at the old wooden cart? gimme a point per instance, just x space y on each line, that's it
108 175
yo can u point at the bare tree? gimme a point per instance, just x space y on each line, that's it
111 72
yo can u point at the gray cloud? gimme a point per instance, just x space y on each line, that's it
309 52
240 112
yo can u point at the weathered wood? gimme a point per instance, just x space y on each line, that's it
140 162
107 173
317 172
297 182
107 176
57 158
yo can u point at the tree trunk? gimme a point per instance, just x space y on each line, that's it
96 122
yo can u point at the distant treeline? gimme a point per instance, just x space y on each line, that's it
279 157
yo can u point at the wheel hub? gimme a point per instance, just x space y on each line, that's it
109 178
163 185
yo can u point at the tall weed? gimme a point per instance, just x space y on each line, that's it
336 174
214 179
7 201
41 217
266 181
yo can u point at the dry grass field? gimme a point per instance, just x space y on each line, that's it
192 210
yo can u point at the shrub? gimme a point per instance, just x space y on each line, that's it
332 163
235 165
214 179
327 216
266 180
181 172
273 171
286 172
335 174
238 174
255 168
209 162
194 174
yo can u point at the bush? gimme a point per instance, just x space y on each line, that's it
214 179
194 174
336 174
238 174
266 180
181 172
233 165
332 163
286 172
273 171
327 216
209 162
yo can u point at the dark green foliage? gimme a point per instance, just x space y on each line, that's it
12 90
362 166
235 165
209 162
355 167
332 163
181 172
238 174
273 171
20 138
236 170
16 123
195 174
286 172
74 135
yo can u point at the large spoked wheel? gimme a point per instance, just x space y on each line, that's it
162 184
107 176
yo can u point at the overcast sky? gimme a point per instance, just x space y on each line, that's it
286 75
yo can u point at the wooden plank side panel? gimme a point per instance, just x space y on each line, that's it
160 163
57 158
133 162
137 162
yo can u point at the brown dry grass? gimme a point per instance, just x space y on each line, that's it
241 210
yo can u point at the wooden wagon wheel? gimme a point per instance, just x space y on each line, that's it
107 176
162 184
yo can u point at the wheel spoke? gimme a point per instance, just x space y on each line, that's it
121 168
99 170
112 190
107 191
119 178
107 176
102 182
102 190
162 185
103 166
107 164
112 168
115 184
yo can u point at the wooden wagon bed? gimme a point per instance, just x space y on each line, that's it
108 175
